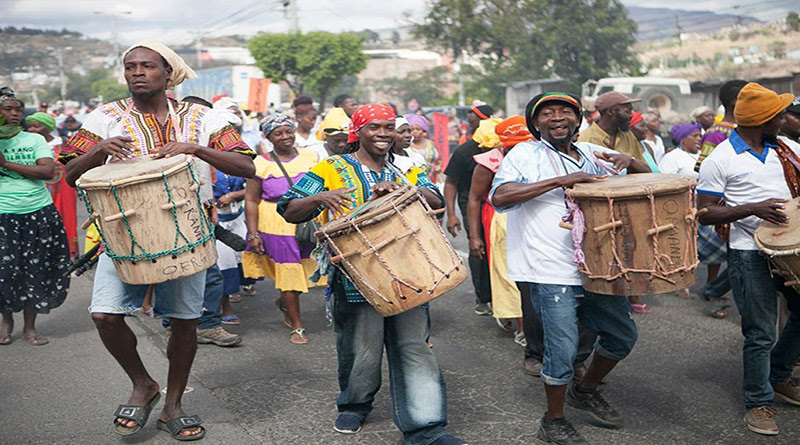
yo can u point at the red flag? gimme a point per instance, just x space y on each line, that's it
441 140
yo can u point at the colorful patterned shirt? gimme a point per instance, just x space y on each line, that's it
345 171
197 125
713 137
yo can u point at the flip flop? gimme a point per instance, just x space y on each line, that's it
6 339
231 319
36 340
298 337
641 308
176 425
285 313
138 414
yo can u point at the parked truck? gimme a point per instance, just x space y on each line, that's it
672 97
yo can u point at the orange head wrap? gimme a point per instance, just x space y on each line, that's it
513 131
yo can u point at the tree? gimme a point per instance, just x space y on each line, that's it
793 21
109 89
79 87
529 39
315 61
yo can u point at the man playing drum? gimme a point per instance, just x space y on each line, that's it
530 186
419 398
150 123
756 175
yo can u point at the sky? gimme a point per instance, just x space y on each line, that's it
181 21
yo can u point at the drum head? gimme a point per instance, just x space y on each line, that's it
782 237
371 211
633 185
143 165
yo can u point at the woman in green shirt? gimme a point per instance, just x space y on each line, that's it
33 245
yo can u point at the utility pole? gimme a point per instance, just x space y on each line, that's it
61 76
680 30
115 36
294 25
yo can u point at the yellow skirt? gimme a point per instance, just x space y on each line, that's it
506 302
287 277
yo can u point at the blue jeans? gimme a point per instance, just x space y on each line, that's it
718 287
561 308
755 292
419 399
212 301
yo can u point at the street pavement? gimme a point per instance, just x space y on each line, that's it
681 384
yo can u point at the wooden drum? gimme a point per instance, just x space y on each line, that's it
149 215
640 234
782 244
395 252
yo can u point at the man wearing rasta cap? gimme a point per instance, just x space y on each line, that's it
756 174
612 130
530 185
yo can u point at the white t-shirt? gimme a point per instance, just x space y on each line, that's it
538 250
735 172
319 149
679 162
302 142
657 147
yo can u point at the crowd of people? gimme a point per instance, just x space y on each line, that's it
270 184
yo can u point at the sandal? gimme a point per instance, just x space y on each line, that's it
5 339
640 308
505 324
235 298
231 319
248 290
178 424
718 311
138 414
36 340
298 337
285 312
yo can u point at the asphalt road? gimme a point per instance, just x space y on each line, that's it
680 385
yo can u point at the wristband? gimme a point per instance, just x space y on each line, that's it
253 235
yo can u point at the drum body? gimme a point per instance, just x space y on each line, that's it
394 250
782 244
150 217
640 234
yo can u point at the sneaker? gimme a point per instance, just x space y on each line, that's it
533 367
448 440
347 424
595 405
761 420
558 431
217 336
788 391
483 308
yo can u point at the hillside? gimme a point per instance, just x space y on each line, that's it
37 53
661 23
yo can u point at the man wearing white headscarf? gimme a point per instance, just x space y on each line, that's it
149 123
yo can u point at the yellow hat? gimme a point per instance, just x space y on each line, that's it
485 135
757 105
336 121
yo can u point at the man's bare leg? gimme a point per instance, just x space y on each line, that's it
181 350
120 341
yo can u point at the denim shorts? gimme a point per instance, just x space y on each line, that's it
182 298
561 308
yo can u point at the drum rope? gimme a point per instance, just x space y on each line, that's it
663 266
350 269
207 234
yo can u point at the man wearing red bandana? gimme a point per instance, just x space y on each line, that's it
335 185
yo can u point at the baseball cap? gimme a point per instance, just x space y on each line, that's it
611 99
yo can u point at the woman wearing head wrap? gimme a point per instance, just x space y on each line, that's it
402 142
34 246
639 129
487 227
333 131
420 129
331 188
704 116
273 250
64 197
